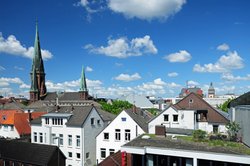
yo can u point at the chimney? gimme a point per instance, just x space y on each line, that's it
29 116
134 109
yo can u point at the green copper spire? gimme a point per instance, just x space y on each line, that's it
33 86
37 56
83 84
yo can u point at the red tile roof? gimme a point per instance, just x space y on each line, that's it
18 119
112 160
7 116
22 124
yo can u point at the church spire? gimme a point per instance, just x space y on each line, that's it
38 89
83 86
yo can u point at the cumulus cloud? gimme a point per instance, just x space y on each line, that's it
13 46
192 83
146 9
173 74
5 82
122 48
127 77
223 47
181 56
226 63
89 69
230 77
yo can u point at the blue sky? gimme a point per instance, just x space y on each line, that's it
149 47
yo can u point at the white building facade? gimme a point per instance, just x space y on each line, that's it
73 132
120 131
185 119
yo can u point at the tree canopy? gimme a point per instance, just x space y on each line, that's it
116 107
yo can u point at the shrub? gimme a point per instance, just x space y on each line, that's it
199 135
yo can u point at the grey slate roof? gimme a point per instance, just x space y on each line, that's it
241 100
35 154
140 118
51 96
77 116
138 100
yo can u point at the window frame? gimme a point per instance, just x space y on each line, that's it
175 120
118 134
103 151
127 134
107 135
166 116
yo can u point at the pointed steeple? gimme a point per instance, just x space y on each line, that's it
38 88
37 57
33 86
83 84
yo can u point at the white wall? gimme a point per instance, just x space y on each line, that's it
185 120
111 143
9 131
90 133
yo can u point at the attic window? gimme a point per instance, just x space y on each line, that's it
191 101
4 117
124 119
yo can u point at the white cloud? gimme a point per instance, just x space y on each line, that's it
181 56
223 47
226 63
2 68
158 81
13 46
146 9
89 69
192 83
128 78
122 48
118 64
5 82
230 77
173 74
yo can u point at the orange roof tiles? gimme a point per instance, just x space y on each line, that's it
19 119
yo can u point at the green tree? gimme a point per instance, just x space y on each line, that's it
116 107
233 129
223 106
153 111
199 135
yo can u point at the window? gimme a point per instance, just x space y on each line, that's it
215 128
117 134
92 121
87 155
57 121
78 140
11 128
35 137
53 136
103 153
70 154
106 136
41 137
124 119
127 135
111 151
61 139
5 128
191 101
70 140
78 155
46 120
98 122
175 118
166 118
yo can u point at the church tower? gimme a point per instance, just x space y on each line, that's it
211 91
83 86
37 89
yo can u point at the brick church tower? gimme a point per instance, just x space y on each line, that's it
37 89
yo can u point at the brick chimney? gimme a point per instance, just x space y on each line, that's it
29 116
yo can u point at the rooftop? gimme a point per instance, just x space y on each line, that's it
182 144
